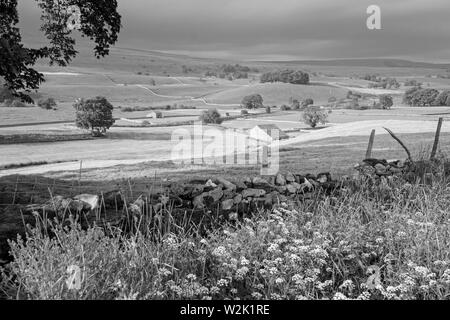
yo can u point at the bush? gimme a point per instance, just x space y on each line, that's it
421 97
5 94
313 117
295 105
409 94
253 101
47 104
244 112
268 110
443 99
211 116
15 103
386 101
286 76
285 108
412 83
94 114
307 102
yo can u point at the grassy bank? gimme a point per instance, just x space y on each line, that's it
388 240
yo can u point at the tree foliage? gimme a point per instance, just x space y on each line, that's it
211 116
286 76
419 97
94 114
443 99
47 104
253 101
386 101
99 21
313 117
307 102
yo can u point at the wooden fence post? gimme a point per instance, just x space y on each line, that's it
264 160
370 146
436 139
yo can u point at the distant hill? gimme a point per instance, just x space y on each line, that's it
375 63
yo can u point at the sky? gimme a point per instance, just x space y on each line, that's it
279 29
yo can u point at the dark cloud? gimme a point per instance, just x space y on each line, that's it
416 29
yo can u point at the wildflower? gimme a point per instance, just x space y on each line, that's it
422 271
339 296
222 283
220 252
164 272
401 234
214 290
275 296
257 295
323 285
244 261
279 281
347 285
191 277
364 296
241 273
259 286
273 247
234 291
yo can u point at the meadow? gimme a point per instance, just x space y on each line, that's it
385 240
374 239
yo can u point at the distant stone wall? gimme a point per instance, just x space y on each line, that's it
36 138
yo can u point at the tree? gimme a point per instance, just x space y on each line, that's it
94 114
307 102
253 101
211 116
313 117
286 76
98 21
295 104
386 101
443 99
47 104
421 97
268 109
409 94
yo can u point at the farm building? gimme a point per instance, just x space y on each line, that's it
155 115
267 133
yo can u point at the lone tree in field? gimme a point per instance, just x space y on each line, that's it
94 114
386 101
307 102
313 117
211 116
253 101
97 20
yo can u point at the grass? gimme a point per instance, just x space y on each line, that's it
371 240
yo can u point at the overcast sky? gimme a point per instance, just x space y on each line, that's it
280 29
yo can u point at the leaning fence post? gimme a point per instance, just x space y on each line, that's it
370 146
436 139
264 160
